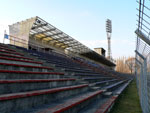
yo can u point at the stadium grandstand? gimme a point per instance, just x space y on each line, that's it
44 70
35 33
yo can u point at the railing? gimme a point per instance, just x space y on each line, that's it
18 41
22 43
142 68
25 44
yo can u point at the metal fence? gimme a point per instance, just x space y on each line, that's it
142 68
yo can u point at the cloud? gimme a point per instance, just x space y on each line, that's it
101 43
119 47
94 43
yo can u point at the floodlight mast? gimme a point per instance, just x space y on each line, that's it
109 31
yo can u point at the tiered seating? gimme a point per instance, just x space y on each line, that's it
70 65
60 61
28 85
101 69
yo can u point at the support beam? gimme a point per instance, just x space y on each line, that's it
73 42
53 39
76 49
74 45
142 36
53 35
42 32
69 40
41 25
62 38
140 55
138 61
79 45
65 39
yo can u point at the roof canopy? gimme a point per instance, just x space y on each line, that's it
41 30
98 58
48 33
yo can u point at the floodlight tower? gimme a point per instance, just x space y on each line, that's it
109 31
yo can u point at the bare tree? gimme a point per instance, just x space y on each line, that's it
125 65
131 63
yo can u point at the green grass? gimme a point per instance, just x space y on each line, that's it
128 102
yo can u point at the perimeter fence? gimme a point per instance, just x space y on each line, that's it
142 54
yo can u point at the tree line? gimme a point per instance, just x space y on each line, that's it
125 64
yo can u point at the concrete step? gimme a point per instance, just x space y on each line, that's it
87 75
78 70
69 105
26 100
106 102
96 79
83 82
20 67
102 83
101 105
11 74
105 84
19 61
106 107
27 55
11 52
22 85
15 56
122 87
114 86
108 93
6 49
18 50
94 88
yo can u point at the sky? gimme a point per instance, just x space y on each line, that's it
84 20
